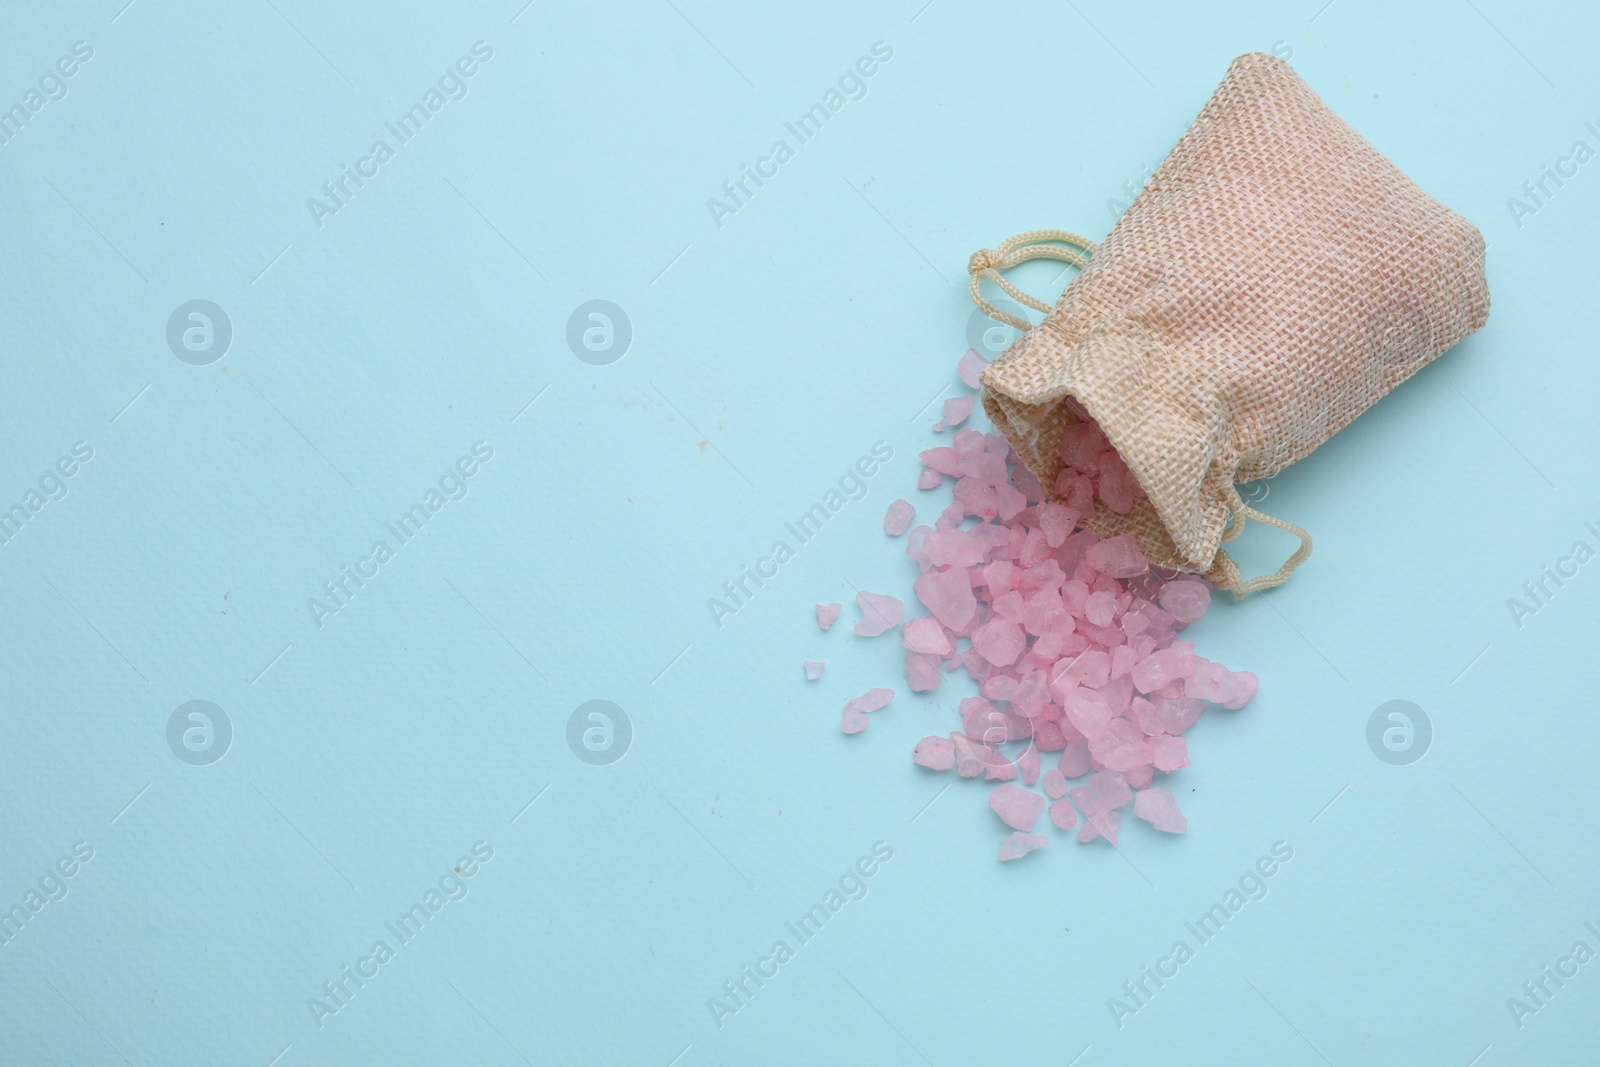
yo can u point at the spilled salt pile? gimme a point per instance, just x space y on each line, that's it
1072 640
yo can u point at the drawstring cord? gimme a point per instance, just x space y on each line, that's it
989 262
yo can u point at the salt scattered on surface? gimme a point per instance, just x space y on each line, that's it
813 669
1072 640
827 614
897 520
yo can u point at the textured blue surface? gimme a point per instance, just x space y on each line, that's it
373 347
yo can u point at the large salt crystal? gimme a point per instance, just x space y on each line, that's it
970 367
871 700
1000 642
948 594
1186 599
1017 808
1121 747
1074 761
1100 608
1056 522
956 410
827 614
929 478
879 613
1108 789
971 757
1019 844
1054 784
897 520
1240 689
1168 753
813 669
1158 808
935 753
924 634
1118 557
1028 765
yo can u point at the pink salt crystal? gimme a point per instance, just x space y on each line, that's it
871 700
999 769
1074 762
897 520
929 478
970 367
935 753
1123 659
1076 489
1116 487
1000 642
1082 444
1208 682
1100 608
853 721
1088 712
956 410
971 757
1063 815
1158 808
813 669
1186 599
1140 777
1028 766
948 594
1054 784
1108 789
1017 808
922 672
1091 669
1100 824
924 634
1240 690
1154 671
1118 557
826 614
944 460
1168 753
1019 844
1121 747
1056 522
879 612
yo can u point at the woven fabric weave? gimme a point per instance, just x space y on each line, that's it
1274 278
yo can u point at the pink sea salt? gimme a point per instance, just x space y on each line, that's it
935 753
970 366
1071 640
1158 808
827 614
1017 808
879 613
813 669
1018 845
897 520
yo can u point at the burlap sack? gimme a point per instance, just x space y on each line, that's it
1274 278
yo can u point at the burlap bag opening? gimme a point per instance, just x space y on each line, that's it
1275 277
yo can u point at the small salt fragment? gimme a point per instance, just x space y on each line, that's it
929 478
871 700
942 459
1018 845
813 669
1158 808
1118 557
1186 599
1028 766
1063 815
897 520
970 367
935 753
827 614
1141 777
948 594
1074 762
1054 784
1240 689
956 410
879 612
1100 824
1017 808
922 672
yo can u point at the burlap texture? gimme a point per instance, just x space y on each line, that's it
1275 277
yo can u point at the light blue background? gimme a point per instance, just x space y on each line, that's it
768 354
